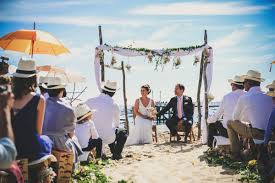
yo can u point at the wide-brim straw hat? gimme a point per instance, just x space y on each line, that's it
82 111
253 75
26 68
54 83
110 86
238 80
272 85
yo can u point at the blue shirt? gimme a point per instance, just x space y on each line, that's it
7 153
270 127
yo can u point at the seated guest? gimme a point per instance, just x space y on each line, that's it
183 110
226 109
85 130
251 114
59 121
28 109
271 88
271 123
43 90
7 148
107 119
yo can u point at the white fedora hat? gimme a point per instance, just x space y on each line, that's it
54 83
272 85
25 69
110 86
82 111
238 80
253 75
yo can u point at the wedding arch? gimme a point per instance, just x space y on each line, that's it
164 56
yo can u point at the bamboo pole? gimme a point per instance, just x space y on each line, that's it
126 125
199 87
205 89
101 58
32 41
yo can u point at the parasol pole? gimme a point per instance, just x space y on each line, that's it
32 41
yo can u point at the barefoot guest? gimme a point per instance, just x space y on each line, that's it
107 119
85 130
183 110
251 114
226 109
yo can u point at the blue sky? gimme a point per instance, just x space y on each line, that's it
241 33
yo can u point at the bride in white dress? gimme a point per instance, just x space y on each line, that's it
142 131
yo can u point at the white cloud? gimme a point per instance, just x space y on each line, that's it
231 39
199 8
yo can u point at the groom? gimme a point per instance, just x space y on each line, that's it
183 110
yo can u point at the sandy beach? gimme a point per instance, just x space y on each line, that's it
166 162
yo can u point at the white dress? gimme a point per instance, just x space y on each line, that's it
142 131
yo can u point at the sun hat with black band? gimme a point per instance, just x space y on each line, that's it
237 80
82 111
54 83
25 69
271 86
254 76
110 86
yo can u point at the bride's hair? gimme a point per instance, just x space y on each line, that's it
147 87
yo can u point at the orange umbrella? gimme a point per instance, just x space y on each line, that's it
32 42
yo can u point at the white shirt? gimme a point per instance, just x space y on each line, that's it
106 117
226 108
254 107
85 131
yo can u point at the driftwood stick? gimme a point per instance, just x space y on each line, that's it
101 58
126 125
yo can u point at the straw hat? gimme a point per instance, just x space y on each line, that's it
110 86
272 85
238 80
271 93
42 80
253 75
210 97
82 111
25 69
54 83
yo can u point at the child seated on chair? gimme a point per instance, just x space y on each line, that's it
85 130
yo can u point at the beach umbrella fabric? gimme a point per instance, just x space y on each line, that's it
32 42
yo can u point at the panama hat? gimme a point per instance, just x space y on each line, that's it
238 80
25 69
110 86
54 83
82 111
42 80
272 85
253 75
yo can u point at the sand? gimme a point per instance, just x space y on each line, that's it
166 162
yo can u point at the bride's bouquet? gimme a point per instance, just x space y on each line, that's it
152 112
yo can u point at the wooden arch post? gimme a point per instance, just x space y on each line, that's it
199 86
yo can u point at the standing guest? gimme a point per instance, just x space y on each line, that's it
226 109
85 130
60 120
28 109
5 80
7 148
271 88
142 132
251 114
183 110
107 119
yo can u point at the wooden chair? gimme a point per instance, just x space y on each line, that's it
65 162
181 132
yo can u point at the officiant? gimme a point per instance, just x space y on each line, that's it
183 110
107 118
